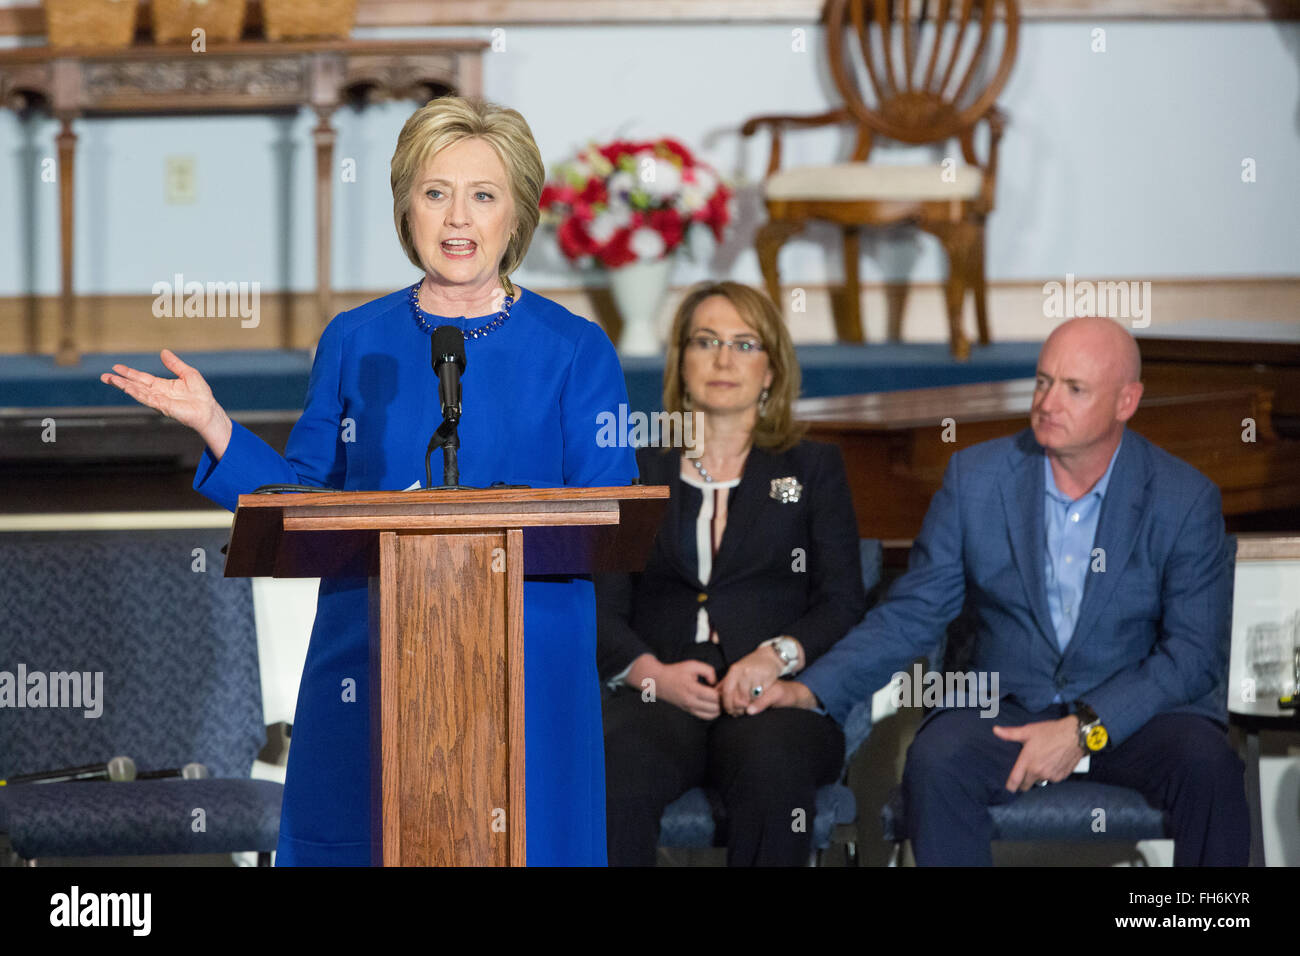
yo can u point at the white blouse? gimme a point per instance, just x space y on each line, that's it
709 525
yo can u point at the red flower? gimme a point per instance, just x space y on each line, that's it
618 251
718 214
680 151
668 223
574 240
594 193
557 193
619 147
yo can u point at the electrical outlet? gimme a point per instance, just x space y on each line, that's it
180 180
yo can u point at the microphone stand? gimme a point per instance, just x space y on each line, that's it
446 438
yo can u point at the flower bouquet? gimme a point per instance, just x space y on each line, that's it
627 206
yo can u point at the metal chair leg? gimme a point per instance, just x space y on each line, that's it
1253 800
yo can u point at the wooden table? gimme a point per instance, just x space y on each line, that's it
895 446
1226 355
254 76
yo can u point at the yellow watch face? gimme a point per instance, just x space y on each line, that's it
1097 737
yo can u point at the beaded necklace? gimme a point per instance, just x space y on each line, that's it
422 318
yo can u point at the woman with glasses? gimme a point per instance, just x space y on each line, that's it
755 572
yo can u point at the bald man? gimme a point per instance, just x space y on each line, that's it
1098 579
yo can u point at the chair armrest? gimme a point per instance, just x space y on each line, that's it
752 125
779 122
997 120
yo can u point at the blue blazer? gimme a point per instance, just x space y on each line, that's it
1153 628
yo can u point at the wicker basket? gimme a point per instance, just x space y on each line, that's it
96 23
308 19
175 20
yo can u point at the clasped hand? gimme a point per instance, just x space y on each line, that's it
693 685
760 668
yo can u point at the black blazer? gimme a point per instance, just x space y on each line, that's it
782 568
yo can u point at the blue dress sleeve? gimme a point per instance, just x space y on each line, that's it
314 455
594 384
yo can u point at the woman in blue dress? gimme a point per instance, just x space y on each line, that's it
466 177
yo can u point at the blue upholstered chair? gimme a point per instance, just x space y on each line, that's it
1063 812
178 652
691 821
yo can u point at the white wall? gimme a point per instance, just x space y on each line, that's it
1117 164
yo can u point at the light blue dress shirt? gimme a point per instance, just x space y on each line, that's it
1071 527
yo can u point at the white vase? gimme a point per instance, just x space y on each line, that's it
639 289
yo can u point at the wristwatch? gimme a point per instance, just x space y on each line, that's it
1092 734
787 648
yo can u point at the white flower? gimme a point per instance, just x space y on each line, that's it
609 221
693 198
705 181
620 184
646 243
662 180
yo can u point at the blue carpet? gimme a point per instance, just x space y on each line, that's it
272 379
248 380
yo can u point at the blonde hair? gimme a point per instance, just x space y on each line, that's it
452 119
776 428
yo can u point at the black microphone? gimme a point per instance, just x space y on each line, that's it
448 345
191 771
118 769
448 350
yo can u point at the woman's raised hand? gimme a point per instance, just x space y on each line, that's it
186 399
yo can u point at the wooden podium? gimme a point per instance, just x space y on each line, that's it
446 572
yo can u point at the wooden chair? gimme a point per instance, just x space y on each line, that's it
929 79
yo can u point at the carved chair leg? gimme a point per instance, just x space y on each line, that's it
957 241
771 236
977 286
896 304
848 320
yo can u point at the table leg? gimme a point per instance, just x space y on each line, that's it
324 136
67 144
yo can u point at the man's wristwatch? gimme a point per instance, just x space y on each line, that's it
1092 734
787 648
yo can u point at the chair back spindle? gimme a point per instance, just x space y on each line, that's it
917 76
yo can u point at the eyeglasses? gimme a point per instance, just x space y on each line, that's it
709 343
